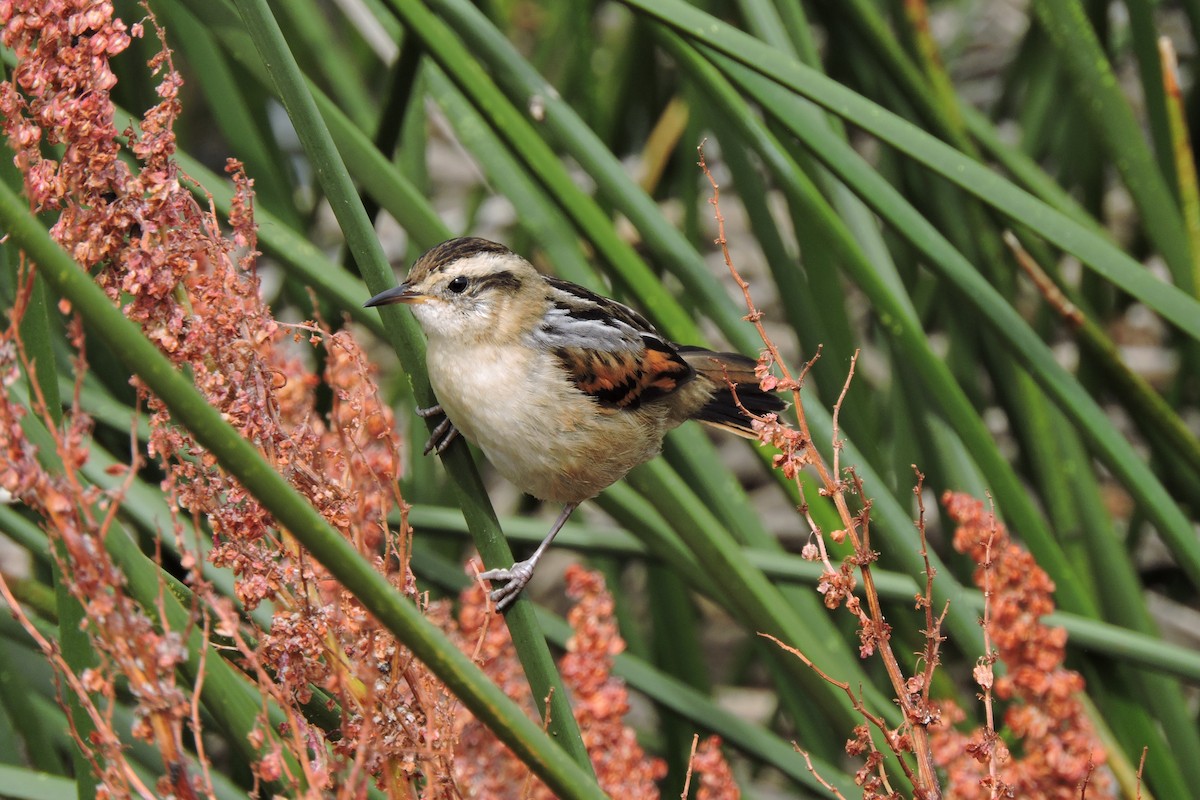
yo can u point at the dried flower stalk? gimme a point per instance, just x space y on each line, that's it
837 584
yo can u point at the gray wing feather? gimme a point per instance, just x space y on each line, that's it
580 318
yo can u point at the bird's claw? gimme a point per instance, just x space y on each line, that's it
441 438
515 579
443 435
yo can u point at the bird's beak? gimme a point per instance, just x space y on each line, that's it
400 294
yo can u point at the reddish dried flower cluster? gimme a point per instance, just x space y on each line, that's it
155 249
1054 748
793 454
836 588
59 95
716 779
600 701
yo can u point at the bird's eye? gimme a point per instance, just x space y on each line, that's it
458 285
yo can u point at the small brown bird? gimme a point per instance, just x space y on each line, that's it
563 390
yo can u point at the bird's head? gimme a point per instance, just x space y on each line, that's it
467 289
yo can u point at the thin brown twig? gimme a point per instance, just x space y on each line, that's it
753 316
194 709
819 540
813 771
830 486
985 671
1087 778
933 626
877 722
687 779
803 508
808 365
838 443
477 653
1053 295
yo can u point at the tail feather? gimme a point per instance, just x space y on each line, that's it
722 410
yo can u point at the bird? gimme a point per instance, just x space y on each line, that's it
562 389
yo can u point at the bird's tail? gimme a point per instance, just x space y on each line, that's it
722 410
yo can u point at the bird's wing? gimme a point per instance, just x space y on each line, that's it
610 351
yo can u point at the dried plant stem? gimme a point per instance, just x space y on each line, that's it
875 720
1053 295
933 626
194 708
813 771
986 668
1087 780
107 736
917 712
687 779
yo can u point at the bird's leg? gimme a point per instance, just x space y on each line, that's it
518 575
442 435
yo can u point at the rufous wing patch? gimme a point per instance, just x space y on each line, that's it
624 379
665 371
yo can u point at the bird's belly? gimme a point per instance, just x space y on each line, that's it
540 433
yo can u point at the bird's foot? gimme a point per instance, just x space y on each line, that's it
515 577
443 435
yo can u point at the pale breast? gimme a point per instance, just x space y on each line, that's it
535 427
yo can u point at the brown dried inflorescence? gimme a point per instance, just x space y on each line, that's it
599 699
716 779
1052 748
163 257
58 95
